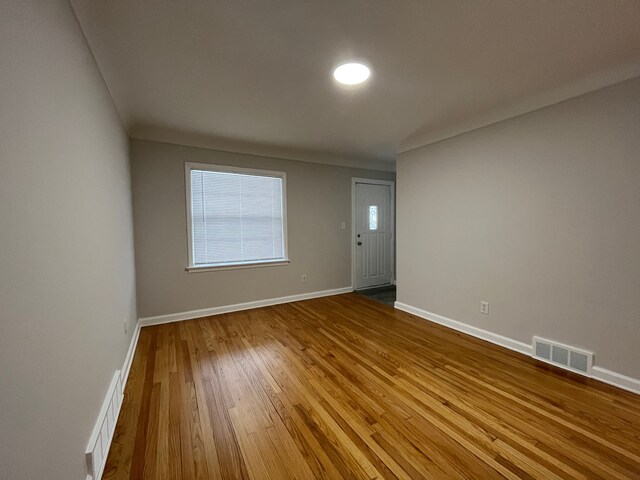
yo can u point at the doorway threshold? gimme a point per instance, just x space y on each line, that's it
385 294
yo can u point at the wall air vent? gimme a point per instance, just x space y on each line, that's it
570 358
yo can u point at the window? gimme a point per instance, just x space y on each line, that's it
373 217
236 217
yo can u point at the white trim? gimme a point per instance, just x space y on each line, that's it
616 379
597 373
392 244
188 166
238 266
506 342
128 360
205 312
115 392
100 441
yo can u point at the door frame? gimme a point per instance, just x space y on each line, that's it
392 244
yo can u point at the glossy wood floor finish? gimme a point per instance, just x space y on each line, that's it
343 387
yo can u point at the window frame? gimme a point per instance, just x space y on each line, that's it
191 267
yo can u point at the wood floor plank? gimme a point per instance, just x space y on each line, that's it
139 460
125 436
343 387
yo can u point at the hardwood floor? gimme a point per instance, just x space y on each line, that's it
343 387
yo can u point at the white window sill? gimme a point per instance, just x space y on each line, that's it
237 266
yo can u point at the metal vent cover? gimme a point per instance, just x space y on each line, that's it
565 356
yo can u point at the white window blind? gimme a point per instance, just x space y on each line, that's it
236 218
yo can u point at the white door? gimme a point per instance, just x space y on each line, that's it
373 233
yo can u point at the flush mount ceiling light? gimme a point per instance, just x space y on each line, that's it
351 73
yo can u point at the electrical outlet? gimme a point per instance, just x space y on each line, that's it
343 225
484 307
303 279
125 325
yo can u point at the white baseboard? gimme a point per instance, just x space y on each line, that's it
205 312
616 379
468 329
126 367
597 373
102 435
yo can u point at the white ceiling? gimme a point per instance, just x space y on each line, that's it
235 73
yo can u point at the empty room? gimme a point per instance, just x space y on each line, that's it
291 239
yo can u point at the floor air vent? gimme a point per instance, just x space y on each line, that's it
98 447
564 356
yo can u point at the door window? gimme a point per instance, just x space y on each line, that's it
373 217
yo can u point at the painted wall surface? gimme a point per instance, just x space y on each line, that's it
66 242
538 215
318 200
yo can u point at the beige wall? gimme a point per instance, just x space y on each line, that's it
318 200
540 216
66 246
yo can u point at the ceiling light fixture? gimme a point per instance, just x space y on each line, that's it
351 73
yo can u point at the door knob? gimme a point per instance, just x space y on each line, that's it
359 243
